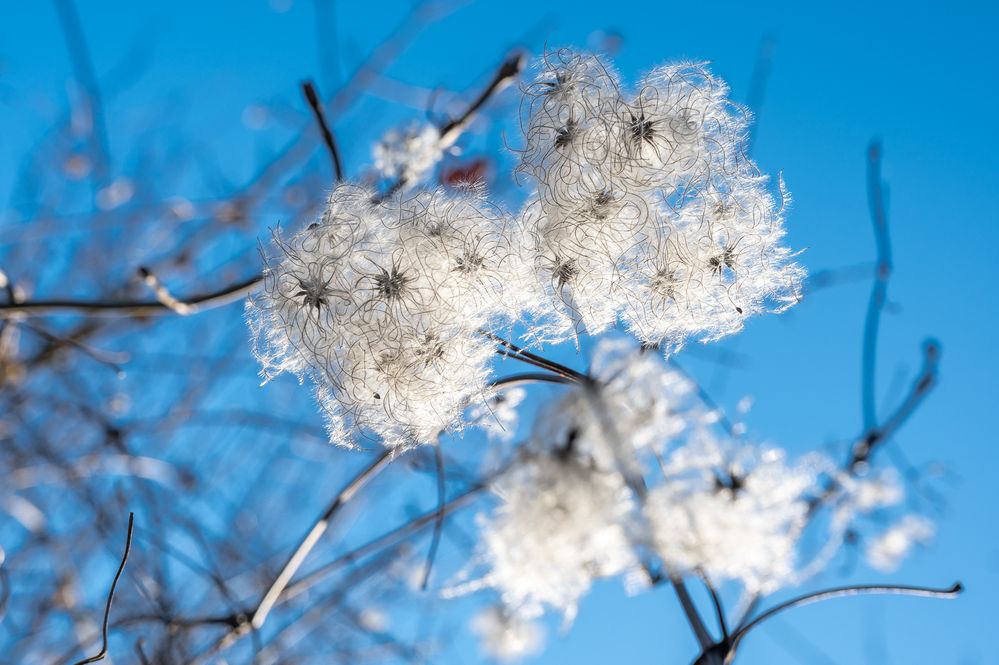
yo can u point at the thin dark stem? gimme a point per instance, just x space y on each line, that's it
439 522
719 610
107 607
921 387
4 590
866 445
507 71
450 131
690 611
309 90
856 590
529 377
511 350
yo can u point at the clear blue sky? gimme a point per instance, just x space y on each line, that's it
921 76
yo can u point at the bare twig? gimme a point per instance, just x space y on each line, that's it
414 525
758 83
855 590
511 350
439 523
719 610
167 303
505 74
528 377
723 652
309 90
107 608
453 129
879 289
83 67
138 308
315 533
690 611
4 587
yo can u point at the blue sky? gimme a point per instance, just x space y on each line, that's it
918 75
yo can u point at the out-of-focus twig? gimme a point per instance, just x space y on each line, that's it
439 523
879 289
309 90
315 533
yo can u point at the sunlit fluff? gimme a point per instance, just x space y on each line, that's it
380 305
647 208
732 512
559 525
634 406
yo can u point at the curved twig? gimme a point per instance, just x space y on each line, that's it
107 608
856 590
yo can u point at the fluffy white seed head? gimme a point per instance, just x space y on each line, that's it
560 525
635 406
647 208
380 305
735 513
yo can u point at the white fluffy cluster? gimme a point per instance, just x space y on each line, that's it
647 208
645 211
635 407
626 474
380 305
566 515
560 525
409 154
732 512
